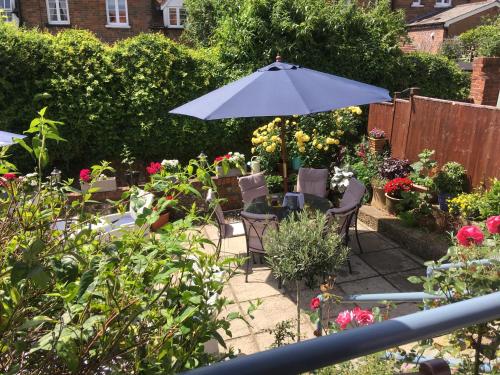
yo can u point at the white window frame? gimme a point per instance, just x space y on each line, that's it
58 21
416 4
443 4
7 12
178 17
118 25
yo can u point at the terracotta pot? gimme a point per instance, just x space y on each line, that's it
378 198
391 204
420 188
377 144
162 220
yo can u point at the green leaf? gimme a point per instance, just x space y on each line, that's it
18 272
36 321
219 339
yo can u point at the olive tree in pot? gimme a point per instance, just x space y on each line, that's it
450 181
304 247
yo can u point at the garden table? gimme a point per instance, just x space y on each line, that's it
262 205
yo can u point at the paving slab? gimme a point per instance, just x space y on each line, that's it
389 261
360 270
260 284
239 327
370 242
241 345
371 285
400 280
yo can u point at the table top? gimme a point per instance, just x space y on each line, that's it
262 205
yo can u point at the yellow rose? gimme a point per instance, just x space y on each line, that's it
302 149
330 141
325 148
287 122
269 149
277 119
299 134
306 138
274 138
339 119
315 142
295 116
319 146
337 141
340 132
294 123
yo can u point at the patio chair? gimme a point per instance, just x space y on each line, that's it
252 187
256 226
342 217
312 181
225 229
354 196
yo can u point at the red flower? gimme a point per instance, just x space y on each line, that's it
470 235
493 224
344 318
169 197
153 168
315 303
9 176
395 187
85 175
363 317
220 158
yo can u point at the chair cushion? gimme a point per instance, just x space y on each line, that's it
252 187
312 181
234 230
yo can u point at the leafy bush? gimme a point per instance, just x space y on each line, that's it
490 202
422 169
111 96
392 168
75 300
451 179
274 183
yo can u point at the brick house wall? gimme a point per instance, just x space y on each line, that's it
143 16
468 23
428 39
426 7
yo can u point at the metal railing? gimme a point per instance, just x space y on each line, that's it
328 350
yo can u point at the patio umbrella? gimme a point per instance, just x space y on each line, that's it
282 89
7 138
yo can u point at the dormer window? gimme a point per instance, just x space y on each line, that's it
174 14
443 3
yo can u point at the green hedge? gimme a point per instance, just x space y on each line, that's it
110 96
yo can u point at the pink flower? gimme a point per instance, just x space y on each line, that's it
153 168
315 303
9 176
493 224
85 175
470 235
344 318
363 317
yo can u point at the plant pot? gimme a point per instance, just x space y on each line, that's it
443 201
377 144
392 204
231 172
132 178
296 163
162 220
108 184
420 188
378 198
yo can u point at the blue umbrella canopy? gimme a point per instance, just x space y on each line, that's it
7 138
282 89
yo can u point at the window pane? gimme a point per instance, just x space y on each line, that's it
182 15
172 15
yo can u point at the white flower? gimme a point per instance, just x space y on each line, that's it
170 163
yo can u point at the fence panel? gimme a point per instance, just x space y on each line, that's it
462 132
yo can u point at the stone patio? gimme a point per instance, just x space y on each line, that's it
382 267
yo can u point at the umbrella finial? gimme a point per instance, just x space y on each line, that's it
278 58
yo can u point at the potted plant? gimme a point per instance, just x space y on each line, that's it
229 165
96 179
301 249
392 168
378 193
393 193
422 171
131 175
450 181
376 139
339 183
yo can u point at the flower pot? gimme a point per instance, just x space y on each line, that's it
231 172
420 188
108 184
378 198
392 204
162 220
443 201
377 144
296 163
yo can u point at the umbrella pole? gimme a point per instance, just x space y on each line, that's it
284 156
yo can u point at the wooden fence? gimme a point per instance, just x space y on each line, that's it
461 132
